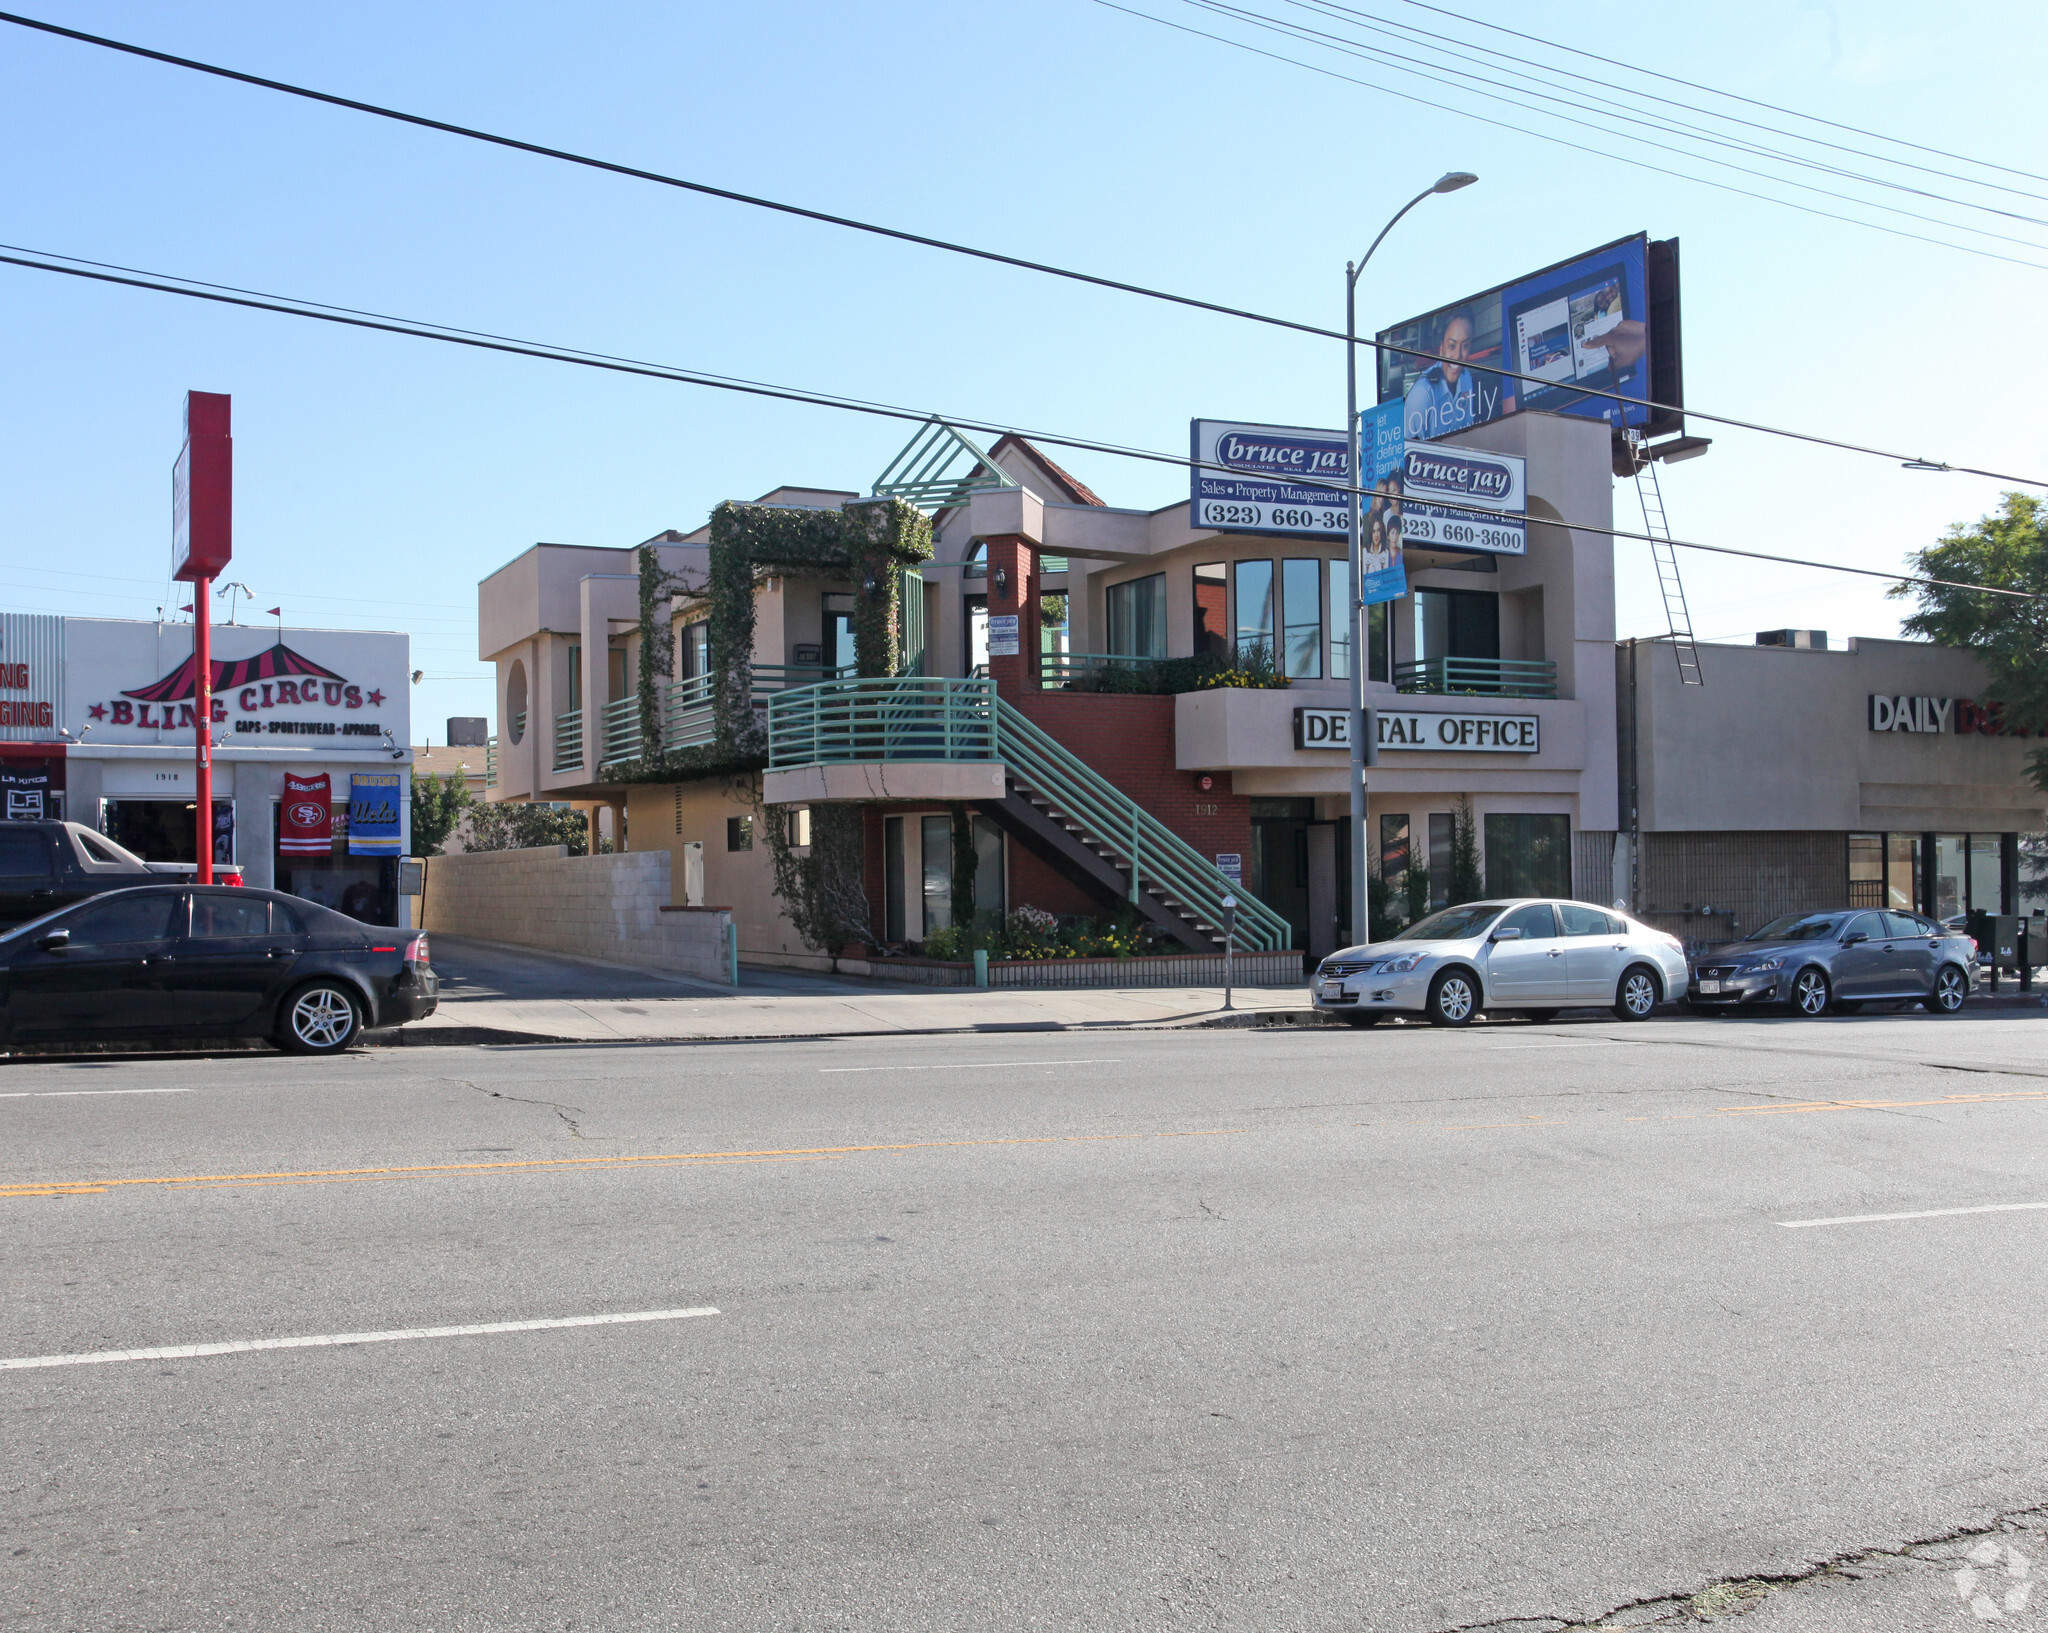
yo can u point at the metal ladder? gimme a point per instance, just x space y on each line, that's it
1666 558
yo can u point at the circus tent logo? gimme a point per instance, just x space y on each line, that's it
277 677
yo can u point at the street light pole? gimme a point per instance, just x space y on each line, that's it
1360 918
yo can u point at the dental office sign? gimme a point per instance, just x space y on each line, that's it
1424 733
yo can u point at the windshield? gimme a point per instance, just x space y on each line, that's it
1798 927
1453 923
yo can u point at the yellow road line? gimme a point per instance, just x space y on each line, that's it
190 1182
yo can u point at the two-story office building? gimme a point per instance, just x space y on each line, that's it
1072 734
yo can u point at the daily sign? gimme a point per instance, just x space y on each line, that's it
1250 479
1427 733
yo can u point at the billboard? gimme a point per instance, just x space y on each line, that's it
1248 479
203 490
1605 322
1465 484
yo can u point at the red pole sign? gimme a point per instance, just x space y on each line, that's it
202 540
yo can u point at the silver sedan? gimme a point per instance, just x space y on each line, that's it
1530 957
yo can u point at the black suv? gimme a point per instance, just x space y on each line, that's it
48 865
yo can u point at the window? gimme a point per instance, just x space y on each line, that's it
1393 845
1052 623
1528 855
115 923
214 917
1340 620
800 826
95 849
1987 873
1254 609
976 609
837 634
1442 833
1902 871
1137 617
910 615
937 872
1536 922
1457 624
1212 611
1866 870
1581 920
575 692
1378 663
24 854
1950 879
893 904
696 650
1301 604
1868 925
615 673
1904 926
739 833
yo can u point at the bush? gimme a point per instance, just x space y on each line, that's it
513 827
1251 668
1033 933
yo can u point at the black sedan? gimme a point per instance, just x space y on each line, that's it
176 961
1814 962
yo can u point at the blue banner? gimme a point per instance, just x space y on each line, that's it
373 813
1383 453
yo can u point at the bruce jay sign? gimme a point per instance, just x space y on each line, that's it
1424 733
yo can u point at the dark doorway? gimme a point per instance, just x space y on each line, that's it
1279 872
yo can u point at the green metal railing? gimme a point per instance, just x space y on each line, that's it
491 762
1062 668
619 731
569 741
1478 677
687 718
944 719
914 717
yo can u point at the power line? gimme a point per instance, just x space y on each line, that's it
356 318
1750 101
1040 266
1495 88
1561 141
1403 31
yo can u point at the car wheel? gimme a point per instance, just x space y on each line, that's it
1951 987
322 1018
1810 993
1638 996
1453 999
1362 1021
1848 1006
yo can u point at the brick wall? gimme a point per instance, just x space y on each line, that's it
614 908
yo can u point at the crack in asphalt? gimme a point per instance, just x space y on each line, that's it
1731 1595
559 1108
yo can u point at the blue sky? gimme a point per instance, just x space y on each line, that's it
379 478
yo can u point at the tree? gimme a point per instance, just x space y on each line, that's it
2008 551
514 827
438 804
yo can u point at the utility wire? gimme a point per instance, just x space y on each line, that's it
1750 101
1523 65
1040 266
352 317
1646 119
1561 141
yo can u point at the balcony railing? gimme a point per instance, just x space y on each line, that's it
491 761
1064 669
1478 677
687 719
909 718
569 741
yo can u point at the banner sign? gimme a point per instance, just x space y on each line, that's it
306 816
373 813
203 490
1605 321
1002 635
32 789
1472 480
1382 452
1249 479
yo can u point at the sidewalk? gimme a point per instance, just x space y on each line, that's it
491 993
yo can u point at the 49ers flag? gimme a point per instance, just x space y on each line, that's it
306 818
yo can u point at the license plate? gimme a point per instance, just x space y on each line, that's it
1710 986
1332 989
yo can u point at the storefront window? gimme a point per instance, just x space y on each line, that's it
1902 871
165 830
1254 609
1301 602
936 837
1137 617
1340 620
1212 611
1987 873
1866 870
1528 855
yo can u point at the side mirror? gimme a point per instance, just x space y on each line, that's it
1505 935
56 941
1853 937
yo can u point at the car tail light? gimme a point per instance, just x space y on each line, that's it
416 950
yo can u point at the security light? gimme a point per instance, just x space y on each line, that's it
1453 180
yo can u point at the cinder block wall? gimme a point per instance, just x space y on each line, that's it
610 907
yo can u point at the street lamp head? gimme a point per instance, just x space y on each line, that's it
1453 180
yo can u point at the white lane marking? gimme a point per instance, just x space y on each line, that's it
186 1352
977 1065
1925 1213
58 1094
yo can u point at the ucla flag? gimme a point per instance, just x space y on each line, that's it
373 813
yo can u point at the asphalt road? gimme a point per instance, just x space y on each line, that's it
1403 1330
